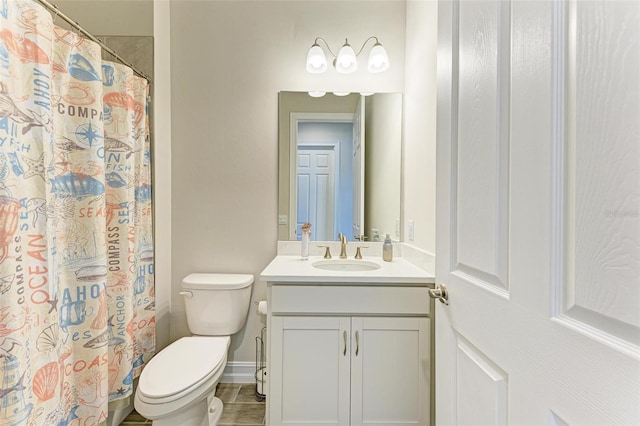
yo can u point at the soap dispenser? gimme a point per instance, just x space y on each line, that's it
306 236
387 249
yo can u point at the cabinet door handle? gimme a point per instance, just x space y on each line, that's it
344 335
357 343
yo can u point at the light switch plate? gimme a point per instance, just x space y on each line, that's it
410 230
283 219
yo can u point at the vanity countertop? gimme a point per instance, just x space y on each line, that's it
292 269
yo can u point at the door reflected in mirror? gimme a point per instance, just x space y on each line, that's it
339 165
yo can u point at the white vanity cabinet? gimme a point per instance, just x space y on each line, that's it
344 354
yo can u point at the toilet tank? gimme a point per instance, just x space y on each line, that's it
216 304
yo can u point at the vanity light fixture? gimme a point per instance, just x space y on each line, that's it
341 93
346 61
317 94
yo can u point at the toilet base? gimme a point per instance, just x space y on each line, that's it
215 411
205 413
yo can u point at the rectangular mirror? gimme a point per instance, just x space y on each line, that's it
339 165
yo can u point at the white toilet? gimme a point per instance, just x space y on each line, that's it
177 386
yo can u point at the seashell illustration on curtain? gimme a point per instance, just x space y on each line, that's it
45 381
48 338
77 317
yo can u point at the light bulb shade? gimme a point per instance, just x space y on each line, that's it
378 59
316 93
346 62
316 60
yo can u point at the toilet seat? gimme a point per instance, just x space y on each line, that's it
183 367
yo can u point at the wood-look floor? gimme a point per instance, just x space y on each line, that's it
241 407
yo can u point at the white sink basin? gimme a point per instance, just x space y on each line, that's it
345 265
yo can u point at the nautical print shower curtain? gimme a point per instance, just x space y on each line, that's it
77 317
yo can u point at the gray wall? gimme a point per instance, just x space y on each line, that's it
227 70
419 136
109 17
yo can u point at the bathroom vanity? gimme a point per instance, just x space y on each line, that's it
348 346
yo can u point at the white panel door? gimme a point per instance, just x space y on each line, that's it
538 223
358 170
316 191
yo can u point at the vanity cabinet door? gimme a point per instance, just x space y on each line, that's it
389 371
310 367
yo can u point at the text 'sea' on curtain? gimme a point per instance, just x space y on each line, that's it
77 317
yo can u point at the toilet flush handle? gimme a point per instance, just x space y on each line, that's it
186 294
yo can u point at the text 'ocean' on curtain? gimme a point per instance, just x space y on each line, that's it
77 311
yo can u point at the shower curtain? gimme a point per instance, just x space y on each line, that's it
77 317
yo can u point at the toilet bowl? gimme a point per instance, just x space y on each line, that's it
177 387
180 377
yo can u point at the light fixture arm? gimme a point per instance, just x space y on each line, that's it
365 43
326 44
346 41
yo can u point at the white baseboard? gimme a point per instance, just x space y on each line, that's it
239 372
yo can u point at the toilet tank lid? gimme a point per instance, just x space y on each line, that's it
202 281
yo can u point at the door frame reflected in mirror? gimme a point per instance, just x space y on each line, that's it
295 118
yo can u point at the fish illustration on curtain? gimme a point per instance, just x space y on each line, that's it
77 294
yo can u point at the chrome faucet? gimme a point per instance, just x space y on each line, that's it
343 246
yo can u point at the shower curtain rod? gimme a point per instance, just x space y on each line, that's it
54 9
